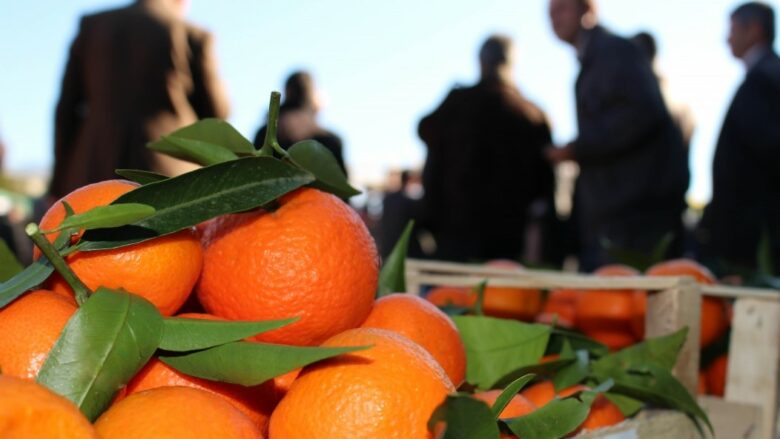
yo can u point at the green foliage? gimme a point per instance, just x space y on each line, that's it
114 215
186 334
197 196
9 265
660 352
463 417
319 161
101 348
206 142
556 419
508 393
139 176
496 347
249 363
392 277
639 260
32 276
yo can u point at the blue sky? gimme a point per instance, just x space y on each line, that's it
380 65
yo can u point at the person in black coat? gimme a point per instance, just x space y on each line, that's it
298 118
633 165
746 169
484 164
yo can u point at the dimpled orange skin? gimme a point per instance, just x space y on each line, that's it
388 391
311 258
31 411
175 413
163 270
426 325
29 327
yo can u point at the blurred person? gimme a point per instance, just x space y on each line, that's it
633 166
484 165
680 112
400 204
133 74
746 168
298 118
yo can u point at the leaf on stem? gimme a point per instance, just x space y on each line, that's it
392 277
184 334
318 160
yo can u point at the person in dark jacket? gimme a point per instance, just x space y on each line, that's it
484 165
298 118
133 74
745 201
633 166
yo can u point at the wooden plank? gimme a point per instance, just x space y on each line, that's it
649 424
668 311
740 292
732 419
543 281
754 359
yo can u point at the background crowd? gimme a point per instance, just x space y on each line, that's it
493 185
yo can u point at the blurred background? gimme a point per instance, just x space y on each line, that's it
379 66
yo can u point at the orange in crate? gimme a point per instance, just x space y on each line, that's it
560 307
518 406
451 296
716 376
605 315
508 302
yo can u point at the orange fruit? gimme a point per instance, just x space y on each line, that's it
508 302
163 270
451 296
603 412
387 391
426 325
175 412
30 411
518 405
29 327
701 387
605 315
560 307
716 375
312 258
714 311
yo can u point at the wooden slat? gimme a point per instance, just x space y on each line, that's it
668 311
754 358
650 424
733 420
740 292
545 281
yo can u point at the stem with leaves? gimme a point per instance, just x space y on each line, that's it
270 143
59 264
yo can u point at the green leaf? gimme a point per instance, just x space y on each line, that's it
766 265
249 363
193 150
573 373
495 347
32 276
102 347
9 265
547 369
628 406
139 176
185 334
114 215
213 138
392 278
656 385
577 342
317 159
509 392
660 352
197 196
463 417
556 419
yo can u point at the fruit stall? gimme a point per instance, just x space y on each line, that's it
749 407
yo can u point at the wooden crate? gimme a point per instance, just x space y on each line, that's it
749 409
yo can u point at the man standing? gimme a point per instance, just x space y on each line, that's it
485 167
633 166
133 74
746 170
